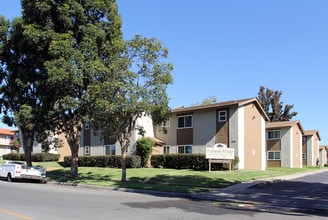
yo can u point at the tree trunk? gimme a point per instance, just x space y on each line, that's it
74 162
73 135
27 137
123 179
124 142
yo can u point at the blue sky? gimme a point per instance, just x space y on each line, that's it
229 48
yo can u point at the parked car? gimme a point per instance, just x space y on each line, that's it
14 170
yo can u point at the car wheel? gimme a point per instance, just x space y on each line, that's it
9 178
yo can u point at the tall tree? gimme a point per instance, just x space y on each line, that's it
273 107
22 81
85 48
55 51
139 91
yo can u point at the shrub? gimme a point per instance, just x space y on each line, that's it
144 148
180 161
12 156
35 157
132 161
44 157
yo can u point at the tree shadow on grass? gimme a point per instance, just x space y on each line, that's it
182 184
161 183
63 175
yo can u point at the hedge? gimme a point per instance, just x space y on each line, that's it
35 157
186 161
132 161
180 161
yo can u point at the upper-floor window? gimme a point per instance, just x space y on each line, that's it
304 139
222 115
274 134
185 121
166 123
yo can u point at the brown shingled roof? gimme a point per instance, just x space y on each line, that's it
312 132
214 105
221 104
283 124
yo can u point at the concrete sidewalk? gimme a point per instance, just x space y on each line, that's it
277 194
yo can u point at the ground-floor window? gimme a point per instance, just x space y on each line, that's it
186 149
110 149
166 149
273 155
87 150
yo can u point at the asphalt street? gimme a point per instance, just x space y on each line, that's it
302 193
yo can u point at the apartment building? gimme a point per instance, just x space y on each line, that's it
310 147
284 144
239 124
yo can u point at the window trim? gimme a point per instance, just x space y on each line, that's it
185 151
110 146
87 150
273 135
304 139
304 156
224 117
166 124
185 116
166 149
274 155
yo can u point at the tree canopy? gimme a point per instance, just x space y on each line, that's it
273 107
137 91
65 62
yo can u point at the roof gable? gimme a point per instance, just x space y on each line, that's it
283 124
227 104
312 133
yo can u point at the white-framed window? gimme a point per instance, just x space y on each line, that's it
166 149
184 149
110 150
86 126
87 150
222 115
185 121
273 155
166 123
304 139
275 134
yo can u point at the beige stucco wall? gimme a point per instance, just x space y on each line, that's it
316 146
170 138
65 149
254 140
297 147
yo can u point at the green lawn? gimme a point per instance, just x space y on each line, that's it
170 180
